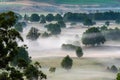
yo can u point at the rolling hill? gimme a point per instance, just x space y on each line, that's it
81 2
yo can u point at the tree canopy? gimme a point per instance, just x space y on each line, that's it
34 17
9 49
93 36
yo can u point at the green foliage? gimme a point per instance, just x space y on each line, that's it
49 17
103 28
67 63
19 26
79 52
22 55
53 28
26 17
114 68
52 69
69 47
88 22
42 19
62 24
45 34
58 17
33 34
112 34
33 72
9 49
118 76
34 18
93 37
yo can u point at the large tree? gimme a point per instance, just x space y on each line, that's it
9 49
93 36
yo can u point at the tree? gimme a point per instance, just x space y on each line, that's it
93 37
42 19
33 34
58 17
88 22
79 52
50 17
67 63
53 28
34 18
26 17
9 48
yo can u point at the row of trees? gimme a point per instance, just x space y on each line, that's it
80 17
42 18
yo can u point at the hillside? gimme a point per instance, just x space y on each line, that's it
81 2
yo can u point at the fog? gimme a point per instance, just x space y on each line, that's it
51 46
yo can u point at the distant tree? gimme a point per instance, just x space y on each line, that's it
103 28
52 69
42 19
107 23
34 17
114 68
58 17
50 17
26 17
67 63
45 34
69 47
33 34
88 22
62 24
53 28
79 52
93 37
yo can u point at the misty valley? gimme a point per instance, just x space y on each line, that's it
48 44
